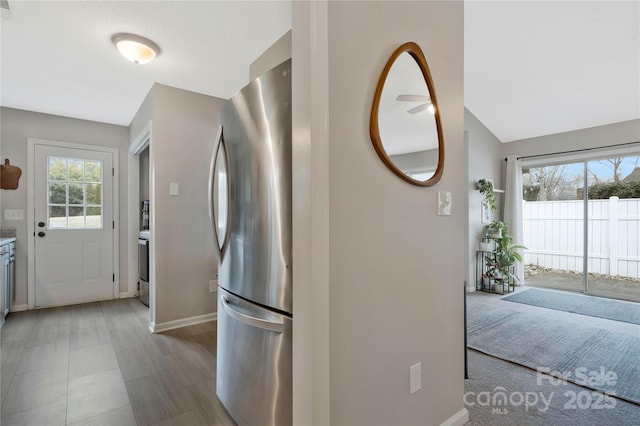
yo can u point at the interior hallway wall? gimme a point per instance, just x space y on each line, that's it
483 162
184 130
276 54
394 271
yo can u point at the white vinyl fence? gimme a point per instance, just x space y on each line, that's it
554 235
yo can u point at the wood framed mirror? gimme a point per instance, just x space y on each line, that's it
405 125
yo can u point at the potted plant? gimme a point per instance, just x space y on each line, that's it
485 245
495 230
504 255
485 187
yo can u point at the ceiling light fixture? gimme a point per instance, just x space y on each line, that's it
138 50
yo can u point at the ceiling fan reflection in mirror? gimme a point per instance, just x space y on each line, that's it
427 105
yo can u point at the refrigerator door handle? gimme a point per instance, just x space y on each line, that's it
277 327
212 171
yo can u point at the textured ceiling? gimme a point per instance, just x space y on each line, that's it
531 67
57 56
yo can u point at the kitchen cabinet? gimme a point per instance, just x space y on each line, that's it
4 256
7 276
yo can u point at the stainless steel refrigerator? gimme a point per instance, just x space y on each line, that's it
250 204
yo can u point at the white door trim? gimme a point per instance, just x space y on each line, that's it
135 148
133 219
31 144
137 145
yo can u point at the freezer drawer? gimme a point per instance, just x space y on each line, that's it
254 362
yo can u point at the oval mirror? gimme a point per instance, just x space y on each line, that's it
405 122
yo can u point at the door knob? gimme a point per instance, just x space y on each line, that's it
41 224
41 234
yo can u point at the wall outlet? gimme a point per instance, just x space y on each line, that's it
415 378
213 286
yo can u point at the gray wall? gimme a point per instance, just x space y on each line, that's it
395 279
393 269
17 126
483 162
279 52
593 137
142 117
184 129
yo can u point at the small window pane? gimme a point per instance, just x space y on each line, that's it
94 217
57 211
57 168
76 217
94 194
93 171
76 195
76 172
57 193
57 217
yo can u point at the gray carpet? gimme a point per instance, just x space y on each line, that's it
535 341
617 310
488 374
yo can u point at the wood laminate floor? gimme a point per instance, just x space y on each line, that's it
98 364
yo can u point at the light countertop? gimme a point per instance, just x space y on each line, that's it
4 241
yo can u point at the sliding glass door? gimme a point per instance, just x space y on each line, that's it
613 235
581 226
553 225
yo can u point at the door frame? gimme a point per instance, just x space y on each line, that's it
31 239
137 145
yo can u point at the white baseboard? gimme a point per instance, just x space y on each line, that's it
19 308
124 295
184 322
458 419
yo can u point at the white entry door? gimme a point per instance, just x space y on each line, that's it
74 228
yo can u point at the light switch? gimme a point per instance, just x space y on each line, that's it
415 378
13 214
444 203
174 189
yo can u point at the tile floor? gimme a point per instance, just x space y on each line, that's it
97 364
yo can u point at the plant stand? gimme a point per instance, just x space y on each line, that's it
494 285
503 286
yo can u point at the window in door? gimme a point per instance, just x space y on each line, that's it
74 188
